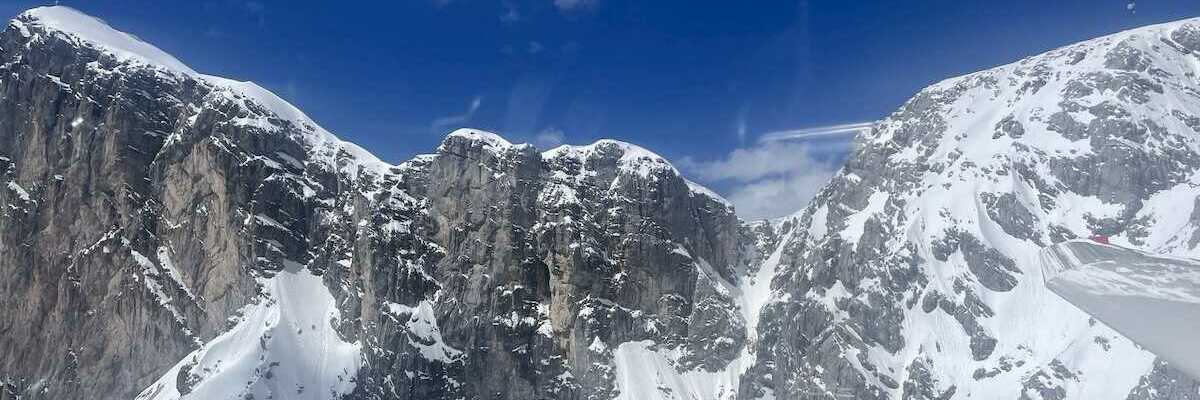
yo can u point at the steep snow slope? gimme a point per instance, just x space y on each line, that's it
98 34
282 347
1154 300
918 275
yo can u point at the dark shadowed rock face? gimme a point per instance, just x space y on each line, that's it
165 234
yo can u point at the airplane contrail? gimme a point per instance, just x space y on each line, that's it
814 132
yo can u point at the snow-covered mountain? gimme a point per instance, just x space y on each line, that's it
915 272
166 234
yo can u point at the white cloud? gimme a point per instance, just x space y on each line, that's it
575 5
451 120
771 179
778 197
752 163
549 138
815 132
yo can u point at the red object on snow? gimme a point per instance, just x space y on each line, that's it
1100 239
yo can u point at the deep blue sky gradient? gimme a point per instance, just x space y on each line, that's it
676 77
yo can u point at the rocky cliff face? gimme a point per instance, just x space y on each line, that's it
169 234
915 273
166 234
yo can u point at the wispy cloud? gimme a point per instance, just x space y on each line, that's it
773 198
817 132
751 163
451 120
770 179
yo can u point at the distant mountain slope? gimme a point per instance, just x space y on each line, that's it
916 274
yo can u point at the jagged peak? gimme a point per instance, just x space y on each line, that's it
631 155
633 159
127 48
489 139
478 134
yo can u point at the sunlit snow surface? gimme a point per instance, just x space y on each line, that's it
128 49
283 347
644 373
1154 300
120 44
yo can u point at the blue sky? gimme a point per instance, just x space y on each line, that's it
693 81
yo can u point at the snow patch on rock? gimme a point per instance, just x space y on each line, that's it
284 346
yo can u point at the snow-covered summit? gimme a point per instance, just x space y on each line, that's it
629 156
923 250
487 139
265 106
1078 53
477 134
127 49
99 34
